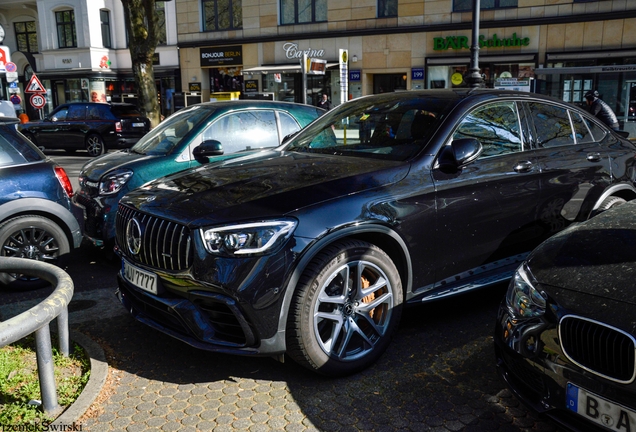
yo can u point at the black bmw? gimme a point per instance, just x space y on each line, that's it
566 333
312 249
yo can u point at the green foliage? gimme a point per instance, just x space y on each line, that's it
19 382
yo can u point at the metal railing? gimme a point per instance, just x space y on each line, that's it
36 320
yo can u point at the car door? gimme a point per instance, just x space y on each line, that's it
51 132
575 167
486 210
78 127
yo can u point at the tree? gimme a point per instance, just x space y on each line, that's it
142 28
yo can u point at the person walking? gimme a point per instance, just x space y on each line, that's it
601 110
324 102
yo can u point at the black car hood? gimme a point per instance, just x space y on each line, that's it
266 184
96 168
597 257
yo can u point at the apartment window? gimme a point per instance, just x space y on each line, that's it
222 14
160 11
66 34
467 5
104 15
387 8
303 11
26 34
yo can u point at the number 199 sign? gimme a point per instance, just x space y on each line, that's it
38 100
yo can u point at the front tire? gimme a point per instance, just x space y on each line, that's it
33 237
345 310
95 145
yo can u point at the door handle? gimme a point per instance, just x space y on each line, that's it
523 166
593 157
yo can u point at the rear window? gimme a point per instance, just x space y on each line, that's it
125 111
15 149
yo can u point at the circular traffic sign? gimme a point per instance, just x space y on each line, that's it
38 100
10 67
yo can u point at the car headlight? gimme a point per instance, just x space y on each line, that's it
523 299
250 238
113 182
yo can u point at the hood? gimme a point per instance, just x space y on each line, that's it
266 184
96 168
597 257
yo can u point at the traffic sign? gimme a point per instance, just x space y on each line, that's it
11 67
34 86
38 100
12 76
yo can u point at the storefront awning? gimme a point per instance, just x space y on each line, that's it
585 70
278 69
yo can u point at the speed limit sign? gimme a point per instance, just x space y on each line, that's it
38 100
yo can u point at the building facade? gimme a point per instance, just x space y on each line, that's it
556 47
78 51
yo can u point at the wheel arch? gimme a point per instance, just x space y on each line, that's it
379 235
621 190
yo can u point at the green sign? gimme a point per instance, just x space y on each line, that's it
461 42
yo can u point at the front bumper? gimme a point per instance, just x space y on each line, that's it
99 218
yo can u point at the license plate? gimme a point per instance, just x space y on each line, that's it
138 125
140 278
600 410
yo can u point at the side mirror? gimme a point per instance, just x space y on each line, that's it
459 153
206 149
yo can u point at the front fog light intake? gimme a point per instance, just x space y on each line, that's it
523 299
245 239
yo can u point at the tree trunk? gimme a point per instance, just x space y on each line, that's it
141 25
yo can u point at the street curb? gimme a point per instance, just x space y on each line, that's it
96 381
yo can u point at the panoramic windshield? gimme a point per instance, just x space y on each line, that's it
386 127
168 134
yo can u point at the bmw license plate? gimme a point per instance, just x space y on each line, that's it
138 125
600 410
142 279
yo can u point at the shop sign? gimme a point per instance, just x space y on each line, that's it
354 75
251 86
194 87
5 57
221 56
417 74
461 42
293 52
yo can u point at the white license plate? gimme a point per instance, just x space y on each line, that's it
140 278
138 125
600 410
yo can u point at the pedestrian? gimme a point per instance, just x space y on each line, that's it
324 103
601 110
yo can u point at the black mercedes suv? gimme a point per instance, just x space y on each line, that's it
313 248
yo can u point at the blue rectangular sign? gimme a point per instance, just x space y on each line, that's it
354 75
417 74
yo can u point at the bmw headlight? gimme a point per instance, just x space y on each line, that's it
250 238
113 182
523 299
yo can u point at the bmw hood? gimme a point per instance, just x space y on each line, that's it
597 257
96 168
265 184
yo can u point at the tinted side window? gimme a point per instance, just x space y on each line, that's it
288 124
597 132
60 115
244 130
581 131
496 126
93 113
551 124
14 149
76 112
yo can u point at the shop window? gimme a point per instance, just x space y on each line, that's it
66 32
302 11
26 35
467 5
552 125
104 16
222 14
387 8
496 126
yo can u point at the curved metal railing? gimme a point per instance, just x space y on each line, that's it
36 320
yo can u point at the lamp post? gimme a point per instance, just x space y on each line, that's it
474 78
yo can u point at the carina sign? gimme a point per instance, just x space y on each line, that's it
293 52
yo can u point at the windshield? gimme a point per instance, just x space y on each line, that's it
394 127
169 133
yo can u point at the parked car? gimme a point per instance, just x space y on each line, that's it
312 249
37 220
175 145
565 337
95 127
